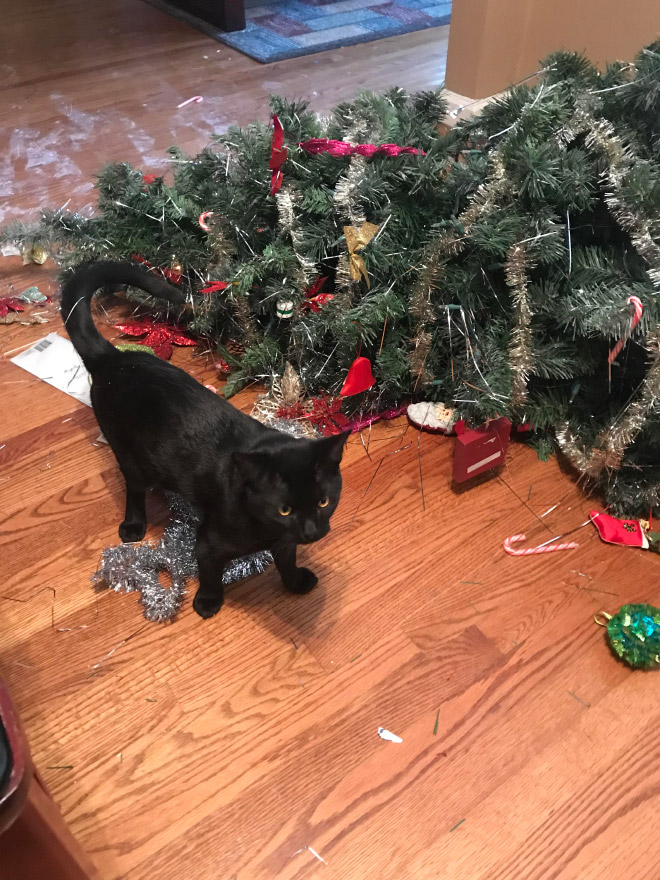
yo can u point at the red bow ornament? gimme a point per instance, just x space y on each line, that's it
10 303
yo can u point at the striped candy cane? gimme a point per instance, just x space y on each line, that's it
638 308
196 99
531 551
203 218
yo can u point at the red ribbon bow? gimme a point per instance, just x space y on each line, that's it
278 154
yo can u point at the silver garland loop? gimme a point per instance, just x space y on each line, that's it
138 567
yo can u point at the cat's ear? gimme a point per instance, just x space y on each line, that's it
331 449
252 466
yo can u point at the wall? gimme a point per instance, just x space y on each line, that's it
494 43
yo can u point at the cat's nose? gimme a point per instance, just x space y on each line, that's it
310 530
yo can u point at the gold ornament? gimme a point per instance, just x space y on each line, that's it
35 254
175 266
356 239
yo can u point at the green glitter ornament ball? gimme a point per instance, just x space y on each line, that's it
634 634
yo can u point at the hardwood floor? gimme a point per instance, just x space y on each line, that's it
246 747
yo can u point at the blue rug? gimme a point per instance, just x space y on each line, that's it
288 28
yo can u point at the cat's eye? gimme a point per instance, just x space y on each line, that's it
285 509
324 502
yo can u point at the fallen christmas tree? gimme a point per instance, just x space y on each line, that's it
490 265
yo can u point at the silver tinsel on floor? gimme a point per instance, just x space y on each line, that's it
130 567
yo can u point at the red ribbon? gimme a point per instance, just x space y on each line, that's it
278 154
214 286
343 148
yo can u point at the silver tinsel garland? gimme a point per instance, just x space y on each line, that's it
137 567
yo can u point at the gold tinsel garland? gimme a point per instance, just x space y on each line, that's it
610 447
521 358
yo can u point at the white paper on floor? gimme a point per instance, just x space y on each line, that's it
54 360
388 735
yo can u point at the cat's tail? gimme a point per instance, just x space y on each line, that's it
79 289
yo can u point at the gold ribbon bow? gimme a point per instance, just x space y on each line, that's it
356 239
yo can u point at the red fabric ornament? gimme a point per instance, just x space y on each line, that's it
10 303
278 154
315 299
170 274
481 449
316 302
157 335
315 287
359 377
628 532
148 179
314 146
215 286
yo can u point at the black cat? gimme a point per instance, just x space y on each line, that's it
258 489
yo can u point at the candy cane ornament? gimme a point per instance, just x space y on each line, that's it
196 99
638 308
532 551
203 218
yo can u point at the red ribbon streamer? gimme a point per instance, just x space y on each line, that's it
278 154
314 146
214 286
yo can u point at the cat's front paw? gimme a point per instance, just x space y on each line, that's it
304 582
207 606
131 532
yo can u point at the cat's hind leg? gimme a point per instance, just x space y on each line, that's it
134 524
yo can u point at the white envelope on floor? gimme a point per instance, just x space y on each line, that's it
54 360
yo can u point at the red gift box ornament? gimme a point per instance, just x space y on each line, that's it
481 449
359 377
278 154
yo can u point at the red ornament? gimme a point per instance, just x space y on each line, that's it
278 154
315 287
316 302
316 299
215 286
148 179
481 449
10 303
628 532
222 367
359 377
157 335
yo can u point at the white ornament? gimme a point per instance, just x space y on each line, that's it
284 309
432 417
